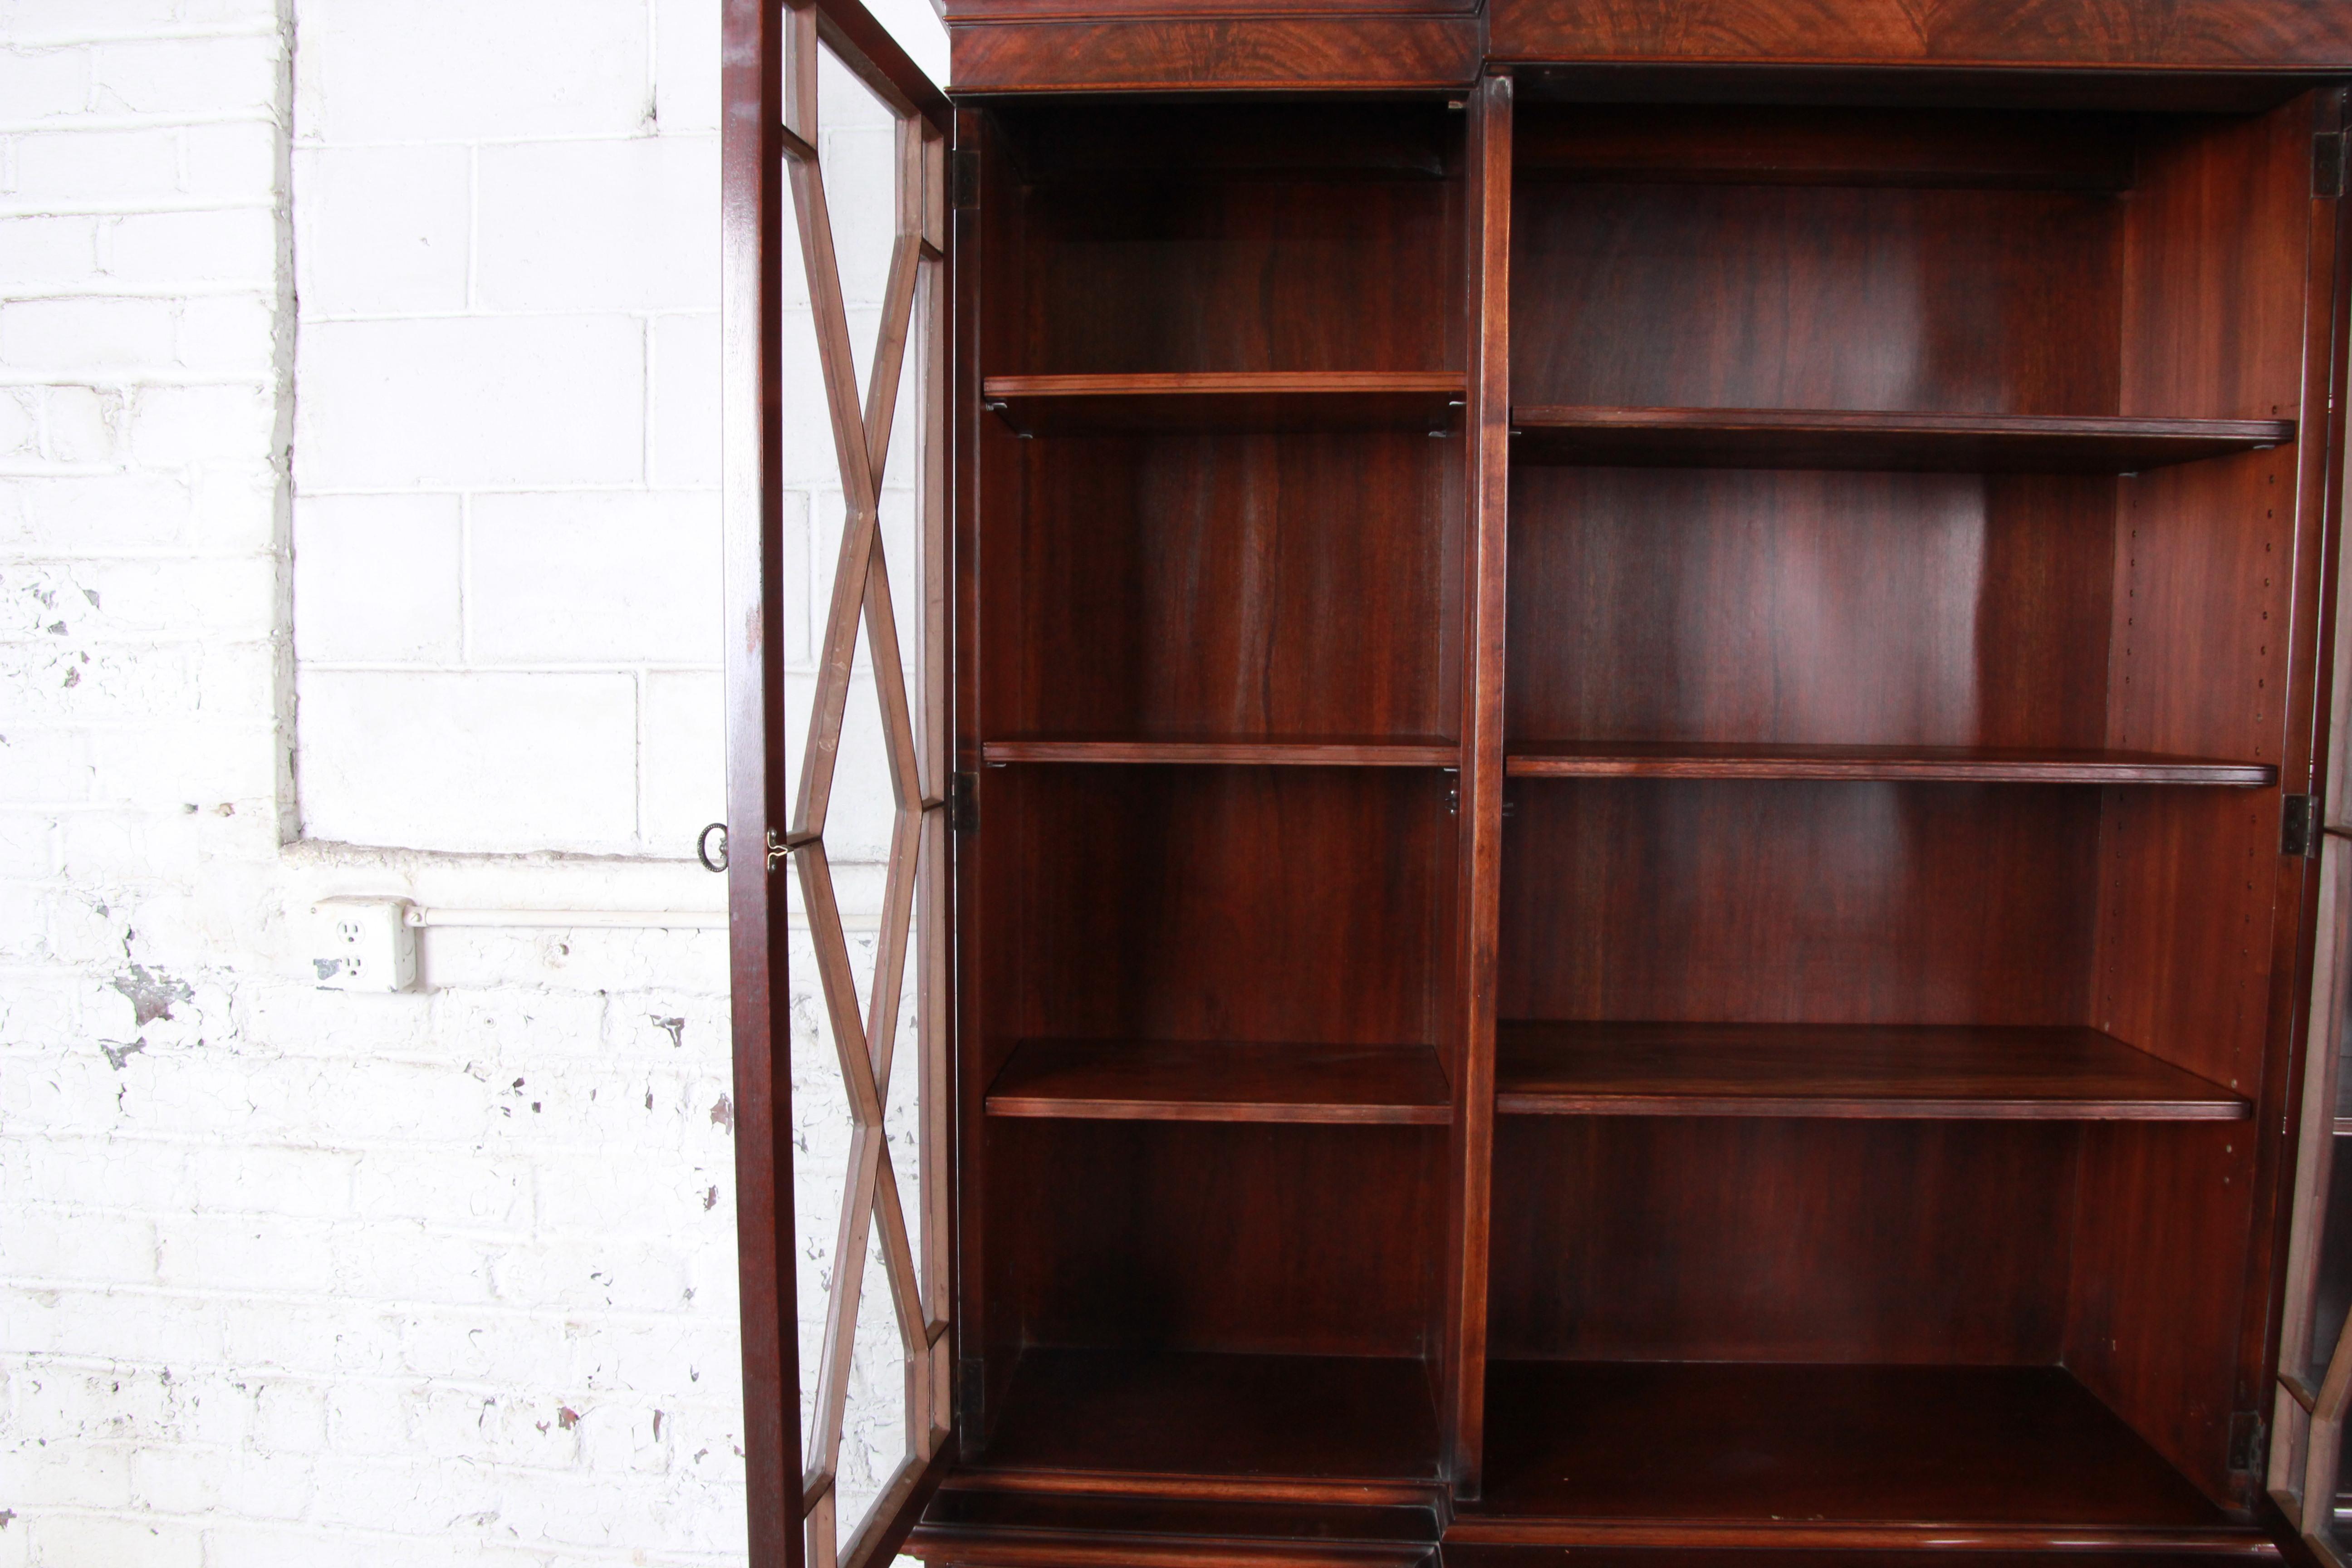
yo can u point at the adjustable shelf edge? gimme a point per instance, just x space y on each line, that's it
1881 440
1982 765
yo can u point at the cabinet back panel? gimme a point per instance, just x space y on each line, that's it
1213 903
1809 608
1737 1238
1717 901
1759 143
1814 297
1135 276
1197 1235
1223 585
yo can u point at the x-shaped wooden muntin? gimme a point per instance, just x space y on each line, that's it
861 591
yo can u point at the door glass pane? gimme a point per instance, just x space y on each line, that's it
859 297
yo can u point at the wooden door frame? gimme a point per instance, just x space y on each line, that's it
768 101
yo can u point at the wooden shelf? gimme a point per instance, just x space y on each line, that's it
1271 400
2110 1548
971 1520
1168 1081
1330 752
1822 438
1944 1073
1223 1421
1980 764
1764 1451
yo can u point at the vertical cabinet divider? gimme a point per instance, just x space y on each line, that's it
1487 432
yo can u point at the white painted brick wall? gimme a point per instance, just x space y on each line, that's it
295 1277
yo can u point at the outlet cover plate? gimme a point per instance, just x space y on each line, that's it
362 945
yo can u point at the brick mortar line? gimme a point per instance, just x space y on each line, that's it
139 206
42 294
159 556
349 1222
639 1317
526 139
259 28
461 492
584 667
670 1472
344 1151
521 1551
324 1382
74 122
131 379
580 1057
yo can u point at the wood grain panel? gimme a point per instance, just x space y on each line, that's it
1132 275
1736 1238
2171 1291
1227 52
1194 140
1704 902
2160 1248
2213 279
1229 1237
1785 144
2275 35
1245 904
1224 587
1749 607
1247 1417
1679 296
1797 1445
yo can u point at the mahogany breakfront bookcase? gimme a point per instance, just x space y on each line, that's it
1616 781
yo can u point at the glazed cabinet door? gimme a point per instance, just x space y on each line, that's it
2307 1471
835 290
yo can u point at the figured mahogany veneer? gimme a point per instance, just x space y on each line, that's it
1888 440
1591 1452
1184 1081
1265 400
1982 765
1255 1423
1952 1072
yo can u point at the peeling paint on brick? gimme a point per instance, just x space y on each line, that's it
377 1281
152 991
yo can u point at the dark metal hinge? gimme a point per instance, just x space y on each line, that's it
963 804
2248 1442
963 179
2327 164
2299 826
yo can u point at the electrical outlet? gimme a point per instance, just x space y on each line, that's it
362 945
